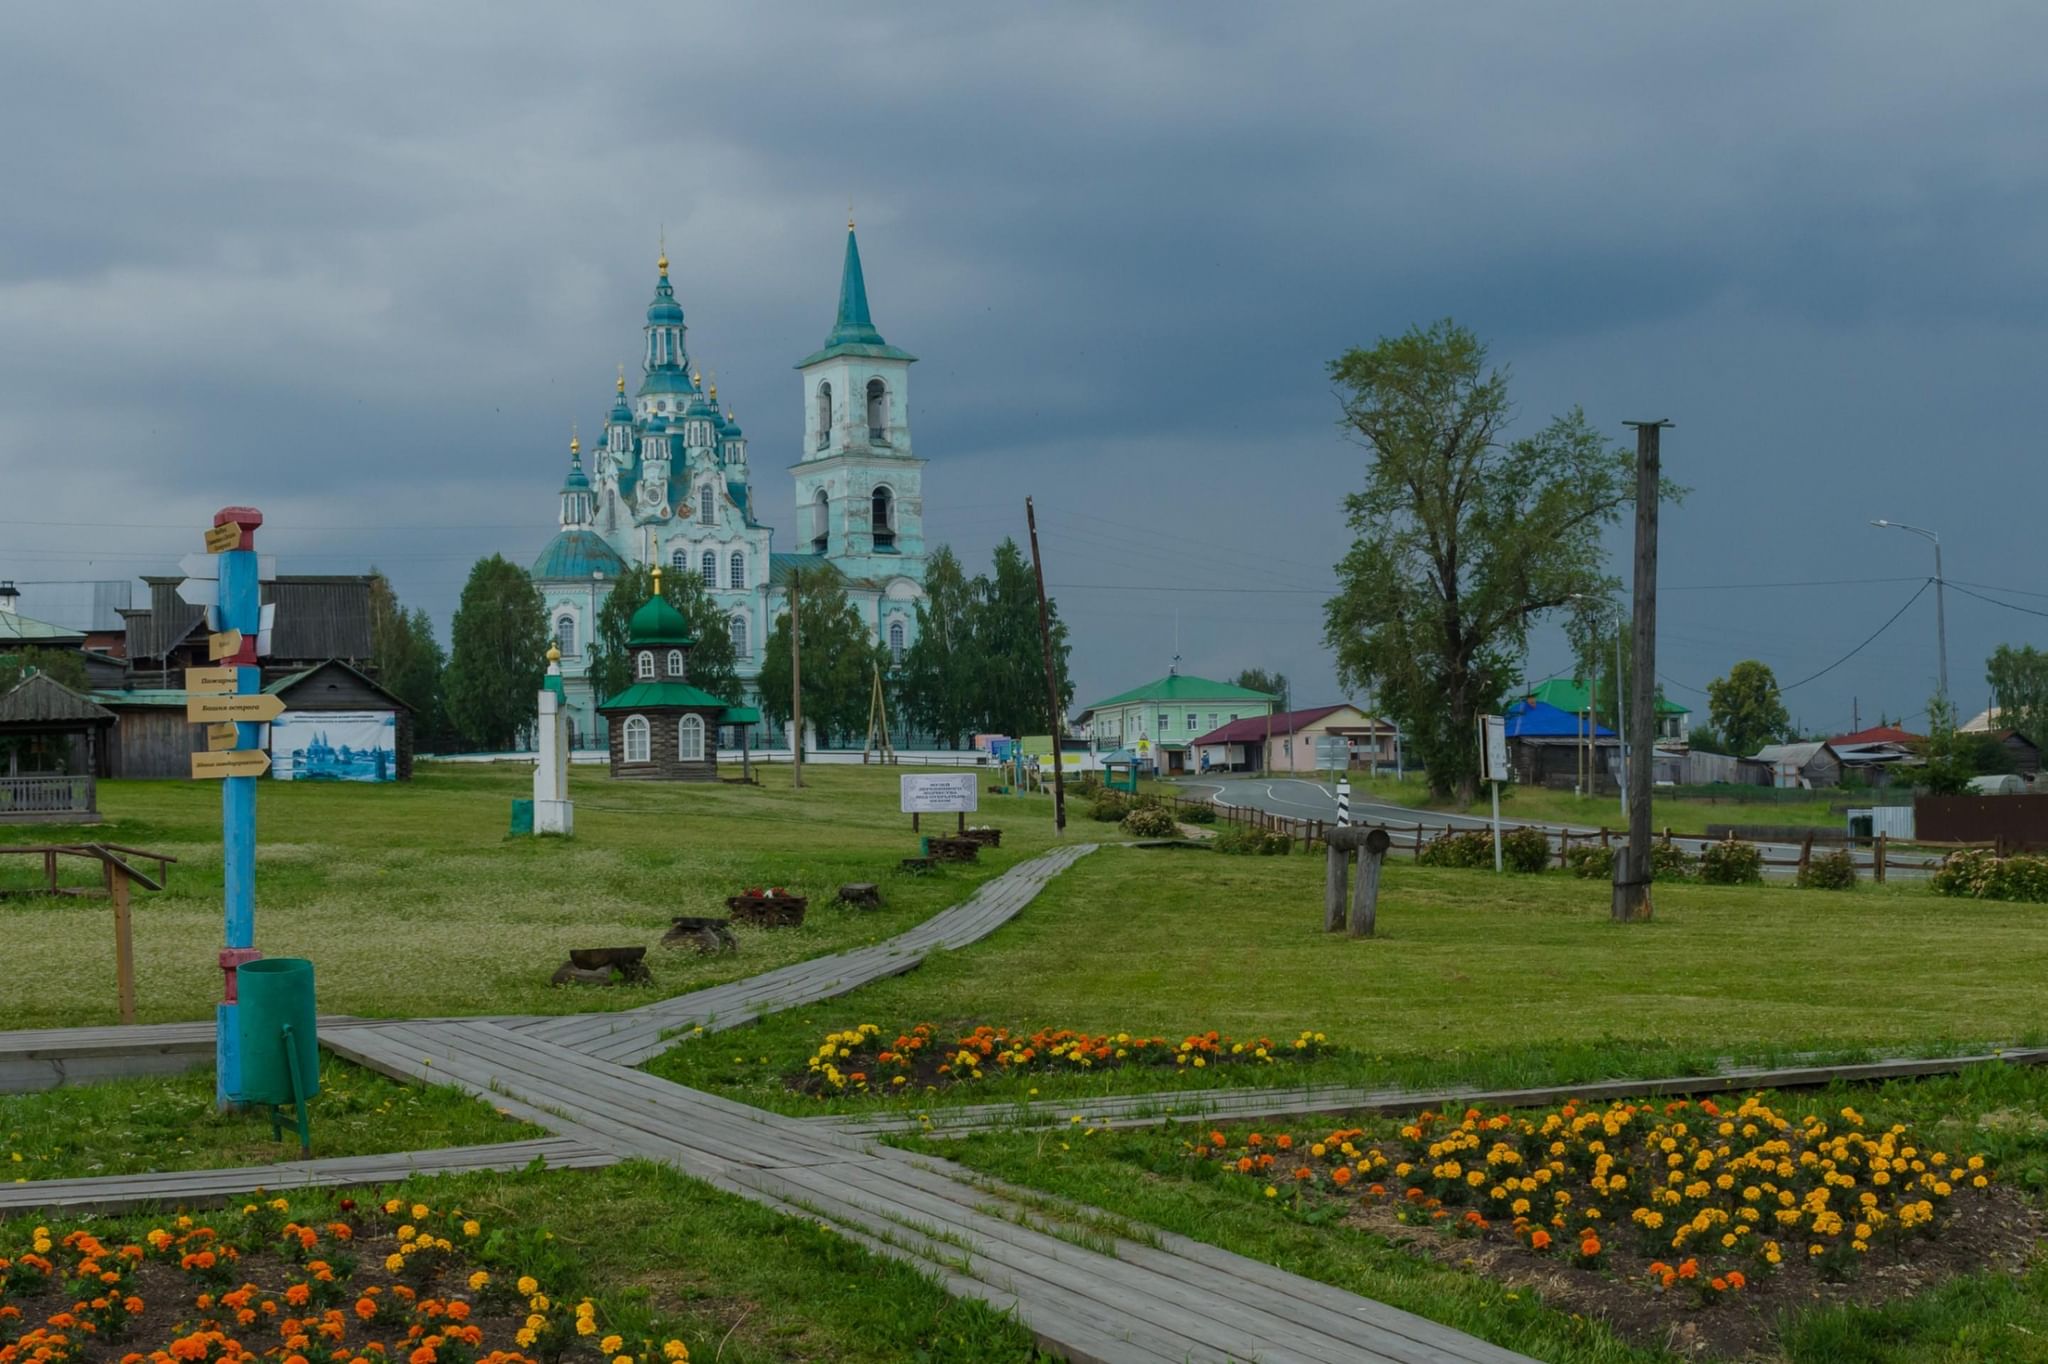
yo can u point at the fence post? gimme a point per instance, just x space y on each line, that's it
1877 867
124 946
1806 853
1603 838
1365 901
1337 865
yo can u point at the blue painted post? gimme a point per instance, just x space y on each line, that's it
240 608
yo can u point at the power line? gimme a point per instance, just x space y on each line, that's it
1925 584
2010 606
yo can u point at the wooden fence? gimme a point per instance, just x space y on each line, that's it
48 800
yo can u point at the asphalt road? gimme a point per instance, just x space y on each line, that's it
1301 798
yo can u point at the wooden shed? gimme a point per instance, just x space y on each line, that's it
334 689
52 737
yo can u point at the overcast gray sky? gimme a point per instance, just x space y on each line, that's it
362 268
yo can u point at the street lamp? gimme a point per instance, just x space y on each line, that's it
1620 704
1940 605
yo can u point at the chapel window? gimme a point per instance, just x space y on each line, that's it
675 662
636 739
643 667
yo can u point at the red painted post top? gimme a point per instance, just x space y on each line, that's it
248 518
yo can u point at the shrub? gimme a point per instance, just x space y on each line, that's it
1471 849
1829 871
1731 864
1979 874
1085 785
1110 806
1253 843
1669 862
1197 814
1149 821
1525 850
1594 864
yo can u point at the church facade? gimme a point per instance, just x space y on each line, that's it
669 484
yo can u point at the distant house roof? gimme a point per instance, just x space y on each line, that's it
1253 729
1568 694
1879 734
1182 687
41 701
1540 720
318 616
342 677
1798 755
1983 722
19 629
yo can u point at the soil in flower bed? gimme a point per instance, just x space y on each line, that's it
1687 1226
384 1284
924 1060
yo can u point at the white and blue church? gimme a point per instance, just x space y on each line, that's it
669 485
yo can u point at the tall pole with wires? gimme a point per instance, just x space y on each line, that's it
1052 687
1632 868
1940 599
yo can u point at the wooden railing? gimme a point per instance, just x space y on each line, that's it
47 799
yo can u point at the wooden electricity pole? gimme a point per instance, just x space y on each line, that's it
1632 869
1052 686
796 682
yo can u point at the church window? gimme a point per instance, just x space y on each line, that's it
708 566
662 405
675 662
643 667
679 561
635 739
878 411
882 506
704 503
736 571
821 521
824 415
565 635
896 640
739 636
690 739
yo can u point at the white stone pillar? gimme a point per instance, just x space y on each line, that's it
552 811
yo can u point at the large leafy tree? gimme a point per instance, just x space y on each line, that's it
1746 708
935 684
840 656
1462 537
714 667
59 665
500 639
2019 688
1274 684
1009 673
410 662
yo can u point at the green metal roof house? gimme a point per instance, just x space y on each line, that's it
1570 695
1157 720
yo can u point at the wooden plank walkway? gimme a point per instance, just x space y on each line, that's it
1155 1109
197 1188
44 1058
632 1036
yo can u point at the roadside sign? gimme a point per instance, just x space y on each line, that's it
233 762
224 734
220 539
1493 748
209 679
223 644
940 792
254 709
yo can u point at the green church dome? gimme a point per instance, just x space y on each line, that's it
658 623
574 554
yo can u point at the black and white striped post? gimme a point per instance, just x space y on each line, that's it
1343 802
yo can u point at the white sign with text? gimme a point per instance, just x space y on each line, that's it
940 793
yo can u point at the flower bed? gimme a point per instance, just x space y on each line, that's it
1646 1211
375 1287
864 1059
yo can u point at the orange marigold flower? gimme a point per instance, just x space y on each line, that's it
1342 1175
1539 1239
1735 1279
1284 1142
1689 1269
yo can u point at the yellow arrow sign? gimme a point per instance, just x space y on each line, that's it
220 539
225 644
206 710
209 679
222 736
235 762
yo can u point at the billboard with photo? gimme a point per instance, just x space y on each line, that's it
334 745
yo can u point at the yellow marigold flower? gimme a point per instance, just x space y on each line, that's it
528 1284
538 1302
610 1344
585 1326
526 1335
478 1280
394 1263
676 1351
1272 1192
419 1212
471 1228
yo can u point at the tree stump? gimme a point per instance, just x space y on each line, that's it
604 966
768 911
706 935
949 849
988 838
861 895
1365 902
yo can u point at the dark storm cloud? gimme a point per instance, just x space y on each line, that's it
365 268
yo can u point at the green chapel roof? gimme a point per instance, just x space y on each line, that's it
657 622
1182 687
853 330
650 695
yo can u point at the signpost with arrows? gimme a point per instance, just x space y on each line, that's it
229 701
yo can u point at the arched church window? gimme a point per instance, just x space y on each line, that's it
882 515
824 415
878 411
821 521
739 636
643 666
736 571
704 503
690 739
565 635
679 561
675 662
708 567
896 640
635 739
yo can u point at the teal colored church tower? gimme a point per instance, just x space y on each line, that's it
670 484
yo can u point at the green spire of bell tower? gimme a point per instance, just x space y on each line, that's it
854 325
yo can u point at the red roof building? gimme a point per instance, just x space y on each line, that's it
1879 734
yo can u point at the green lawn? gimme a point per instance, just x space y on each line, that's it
170 1123
1500 980
1146 1175
1539 805
411 900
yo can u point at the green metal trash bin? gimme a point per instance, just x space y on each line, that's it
522 818
280 1042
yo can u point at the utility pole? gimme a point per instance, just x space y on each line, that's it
1632 868
1052 686
1620 718
1940 595
796 682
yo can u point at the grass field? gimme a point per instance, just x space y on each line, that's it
170 1123
1146 1175
411 900
1502 980
1539 805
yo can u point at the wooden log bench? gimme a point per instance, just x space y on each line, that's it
768 911
861 895
952 849
604 966
707 935
988 838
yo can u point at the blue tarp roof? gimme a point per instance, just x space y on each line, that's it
1537 720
